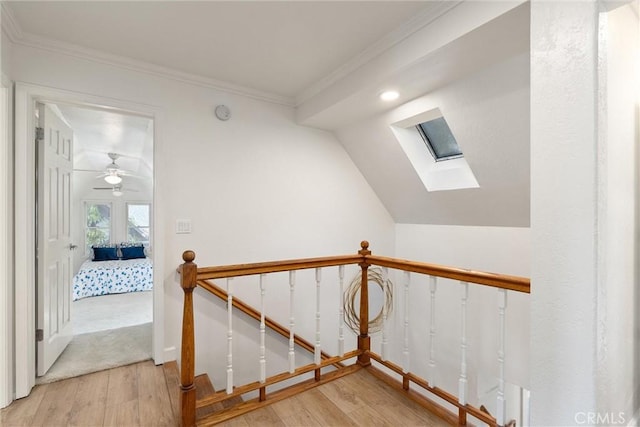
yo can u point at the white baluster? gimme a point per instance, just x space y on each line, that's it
263 361
341 312
431 368
462 383
501 403
292 350
317 348
385 276
229 337
405 351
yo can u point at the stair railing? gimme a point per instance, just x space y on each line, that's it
192 276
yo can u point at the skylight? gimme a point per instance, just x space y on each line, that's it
439 140
427 141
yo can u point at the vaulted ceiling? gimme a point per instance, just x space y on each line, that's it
330 60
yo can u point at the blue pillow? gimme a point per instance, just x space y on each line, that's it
109 253
132 252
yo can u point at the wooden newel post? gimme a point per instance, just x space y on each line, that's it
188 277
364 341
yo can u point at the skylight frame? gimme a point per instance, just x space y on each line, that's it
429 144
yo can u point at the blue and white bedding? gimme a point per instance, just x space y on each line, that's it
112 277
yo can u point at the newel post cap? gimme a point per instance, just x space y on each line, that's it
188 256
365 248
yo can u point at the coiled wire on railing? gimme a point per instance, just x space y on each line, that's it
351 296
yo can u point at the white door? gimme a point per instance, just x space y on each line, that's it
54 251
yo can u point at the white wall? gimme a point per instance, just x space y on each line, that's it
504 250
6 230
618 296
256 187
5 54
6 227
584 120
563 210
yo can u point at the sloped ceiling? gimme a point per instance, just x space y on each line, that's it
479 79
98 132
488 113
330 60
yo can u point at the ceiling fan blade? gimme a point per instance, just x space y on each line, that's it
118 188
132 175
106 153
88 170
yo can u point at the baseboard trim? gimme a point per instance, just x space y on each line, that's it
170 354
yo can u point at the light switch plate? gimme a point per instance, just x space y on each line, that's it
183 226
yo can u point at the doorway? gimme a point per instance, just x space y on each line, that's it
111 199
26 97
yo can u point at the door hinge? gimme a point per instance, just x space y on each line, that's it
39 134
39 335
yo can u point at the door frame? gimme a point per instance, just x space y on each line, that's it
6 245
26 96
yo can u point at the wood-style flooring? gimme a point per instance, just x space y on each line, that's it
146 395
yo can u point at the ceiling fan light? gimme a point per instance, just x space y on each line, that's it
113 179
117 193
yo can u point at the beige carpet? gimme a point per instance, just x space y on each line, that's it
111 312
101 350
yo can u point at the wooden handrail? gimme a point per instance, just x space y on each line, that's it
252 312
275 266
192 276
501 281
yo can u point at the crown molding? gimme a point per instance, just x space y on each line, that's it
13 30
16 35
434 11
10 27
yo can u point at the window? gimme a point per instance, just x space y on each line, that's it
439 139
427 141
139 222
97 224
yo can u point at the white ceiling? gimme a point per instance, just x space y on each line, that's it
330 59
480 82
99 132
293 44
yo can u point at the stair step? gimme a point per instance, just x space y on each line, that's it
232 402
203 389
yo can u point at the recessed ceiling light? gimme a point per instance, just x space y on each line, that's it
389 95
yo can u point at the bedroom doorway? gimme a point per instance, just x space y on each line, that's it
25 97
111 301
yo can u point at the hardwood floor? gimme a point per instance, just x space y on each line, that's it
146 395
133 395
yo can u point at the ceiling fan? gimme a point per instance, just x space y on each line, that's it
117 190
112 173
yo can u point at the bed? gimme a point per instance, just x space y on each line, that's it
112 277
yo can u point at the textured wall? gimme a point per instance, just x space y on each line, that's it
618 328
563 210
